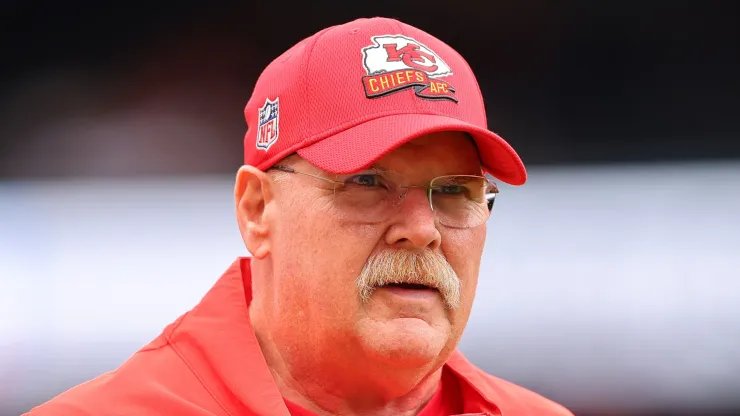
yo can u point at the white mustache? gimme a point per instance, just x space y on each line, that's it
423 267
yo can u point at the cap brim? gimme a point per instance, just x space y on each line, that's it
360 146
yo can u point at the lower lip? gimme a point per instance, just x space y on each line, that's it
421 294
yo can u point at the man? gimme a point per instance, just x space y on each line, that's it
363 202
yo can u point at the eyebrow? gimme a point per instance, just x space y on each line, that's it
379 168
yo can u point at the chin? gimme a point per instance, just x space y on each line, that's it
404 342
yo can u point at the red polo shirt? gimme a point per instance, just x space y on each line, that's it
208 362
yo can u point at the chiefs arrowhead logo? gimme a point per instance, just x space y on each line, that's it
396 62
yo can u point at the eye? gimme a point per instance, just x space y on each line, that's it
450 189
367 180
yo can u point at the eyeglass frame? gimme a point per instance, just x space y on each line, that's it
489 196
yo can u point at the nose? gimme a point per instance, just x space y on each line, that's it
414 224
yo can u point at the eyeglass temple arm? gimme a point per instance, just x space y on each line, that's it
282 168
288 169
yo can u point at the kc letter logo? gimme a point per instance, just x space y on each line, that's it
396 62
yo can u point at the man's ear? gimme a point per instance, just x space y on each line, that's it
252 193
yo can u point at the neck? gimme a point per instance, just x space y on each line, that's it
356 395
326 385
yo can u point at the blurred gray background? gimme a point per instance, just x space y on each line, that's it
609 281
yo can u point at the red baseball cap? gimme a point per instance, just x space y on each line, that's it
350 94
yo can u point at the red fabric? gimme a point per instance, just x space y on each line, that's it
325 109
208 363
447 400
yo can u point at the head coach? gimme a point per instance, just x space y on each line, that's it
369 176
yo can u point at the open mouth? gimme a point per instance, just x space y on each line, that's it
413 286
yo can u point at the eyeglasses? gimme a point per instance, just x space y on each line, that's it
458 201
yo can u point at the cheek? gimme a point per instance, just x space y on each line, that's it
316 257
463 249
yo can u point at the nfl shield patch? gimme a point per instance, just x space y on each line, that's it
267 127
